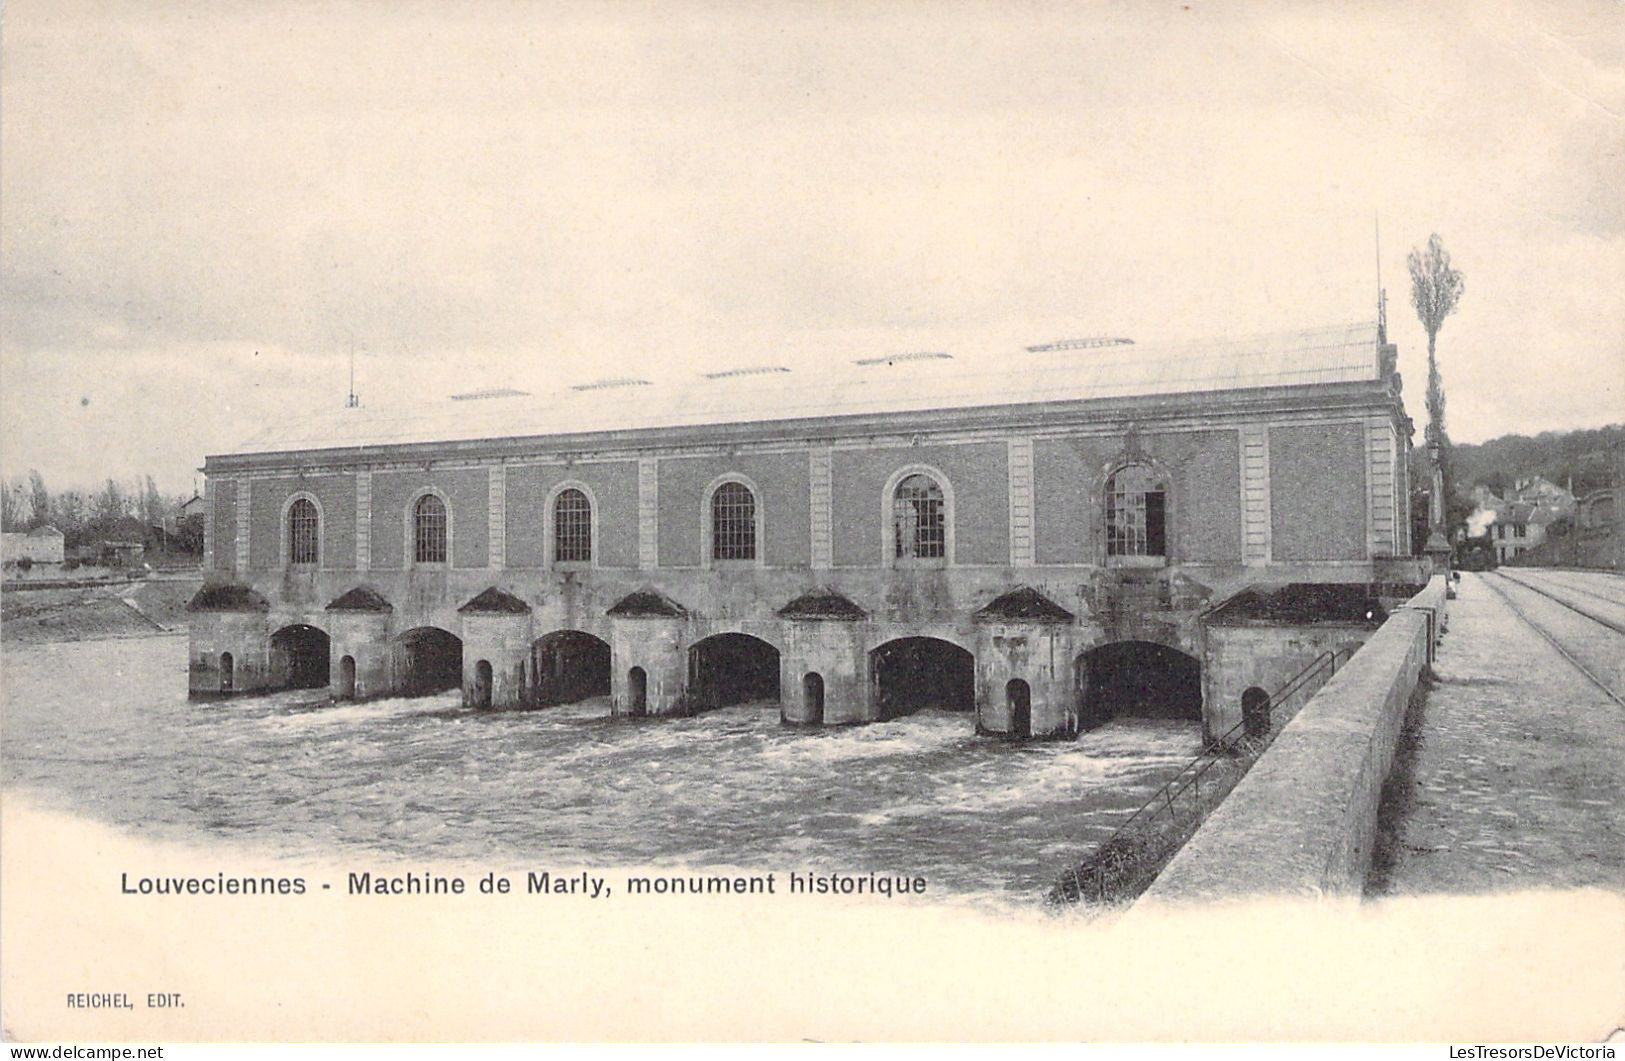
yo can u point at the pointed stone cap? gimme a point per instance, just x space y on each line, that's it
360 599
231 598
495 602
647 603
1023 605
823 604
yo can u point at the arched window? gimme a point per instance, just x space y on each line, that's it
733 522
304 532
572 527
1136 513
429 530
919 518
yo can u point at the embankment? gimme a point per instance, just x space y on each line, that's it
86 613
1303 821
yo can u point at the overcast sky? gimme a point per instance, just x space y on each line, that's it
205 207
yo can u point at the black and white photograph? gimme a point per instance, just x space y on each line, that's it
554 521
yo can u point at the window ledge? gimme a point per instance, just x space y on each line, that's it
1137 561
919 563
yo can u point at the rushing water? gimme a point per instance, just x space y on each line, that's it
105 730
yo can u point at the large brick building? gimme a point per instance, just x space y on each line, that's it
1034 535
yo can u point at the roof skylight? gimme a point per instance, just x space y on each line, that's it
610 384
1091 343
754 370
892 359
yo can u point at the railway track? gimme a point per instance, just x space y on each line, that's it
1564 580
1496 582
1614 621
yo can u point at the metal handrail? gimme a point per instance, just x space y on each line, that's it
1205 760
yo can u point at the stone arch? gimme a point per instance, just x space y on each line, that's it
732 668
285 540
566 666
907 674
928 633
1140 678
888 527
480 694
300 657
428 659
708 528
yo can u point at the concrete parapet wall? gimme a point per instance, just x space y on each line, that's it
1431 602
1304 818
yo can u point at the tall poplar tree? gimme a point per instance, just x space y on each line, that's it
1435 291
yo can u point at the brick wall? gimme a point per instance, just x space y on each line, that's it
977 473
1207 493
1318 492
782 505
614 486
336 494
224 499
1069 513
467 491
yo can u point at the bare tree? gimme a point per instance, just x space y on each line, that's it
14 505
108 506
40 498
70 509
1435 290
152 504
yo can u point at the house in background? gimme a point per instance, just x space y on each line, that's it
42 545
187 514
1524 519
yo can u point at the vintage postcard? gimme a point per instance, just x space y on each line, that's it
793 521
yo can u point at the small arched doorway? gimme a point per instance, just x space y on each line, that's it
812 697
227 675
1019 696
637 692
347 678
480 695
1255 712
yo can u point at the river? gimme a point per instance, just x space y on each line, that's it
104 730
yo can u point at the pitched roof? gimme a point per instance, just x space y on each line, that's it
854 385
820 604
227 599
494 601
360 599
1024 604
647 603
